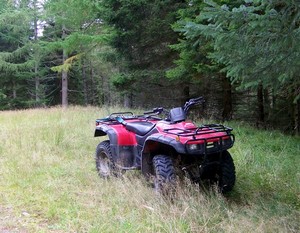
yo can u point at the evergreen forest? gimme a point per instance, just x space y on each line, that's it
242 56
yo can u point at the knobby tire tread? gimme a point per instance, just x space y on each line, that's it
165 178
104 147
227 173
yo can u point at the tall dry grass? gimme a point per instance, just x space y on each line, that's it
48 182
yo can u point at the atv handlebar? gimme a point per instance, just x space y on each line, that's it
155 111
122 116
192 102
186 107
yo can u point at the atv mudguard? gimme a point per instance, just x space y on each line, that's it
122 143
159 144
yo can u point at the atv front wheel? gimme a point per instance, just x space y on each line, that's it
104 162
164 174
226 173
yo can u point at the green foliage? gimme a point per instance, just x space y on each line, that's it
255 41
194 61
122 80
142 35
113 48
78 20
15 54
67 64
2 98
189 53
73 34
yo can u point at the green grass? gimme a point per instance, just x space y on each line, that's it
48 182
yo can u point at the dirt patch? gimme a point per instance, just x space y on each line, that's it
9 222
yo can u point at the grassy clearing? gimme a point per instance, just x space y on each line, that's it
48 182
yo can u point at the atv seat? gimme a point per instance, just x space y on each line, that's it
140 128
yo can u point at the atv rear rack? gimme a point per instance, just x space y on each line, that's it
111 119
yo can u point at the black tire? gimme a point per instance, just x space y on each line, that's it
226 173
104 161
164 174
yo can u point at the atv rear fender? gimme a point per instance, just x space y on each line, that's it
122 143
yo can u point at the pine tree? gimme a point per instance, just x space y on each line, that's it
15 50
76 27
256 42
142 37
194 65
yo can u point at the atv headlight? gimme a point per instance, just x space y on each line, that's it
193 147
227 142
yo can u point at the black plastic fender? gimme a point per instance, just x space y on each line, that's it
164 140
124 156
159 144
104 130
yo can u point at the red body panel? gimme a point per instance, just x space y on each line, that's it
125 138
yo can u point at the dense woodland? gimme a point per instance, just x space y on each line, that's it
243 56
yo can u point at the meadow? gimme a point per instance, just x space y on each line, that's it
49 183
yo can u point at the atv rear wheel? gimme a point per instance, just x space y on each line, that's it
104 162
164 174
226 173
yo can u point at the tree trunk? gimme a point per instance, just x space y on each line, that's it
267 105
37 85
297 117
64 76
227 98
260 105
36 65
14 89
95 98
103 91
84 78
185 94
128 100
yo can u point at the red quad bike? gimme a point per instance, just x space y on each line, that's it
166 148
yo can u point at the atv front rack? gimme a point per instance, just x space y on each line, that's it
217 138
204 129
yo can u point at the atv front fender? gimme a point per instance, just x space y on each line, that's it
159 140
159 144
